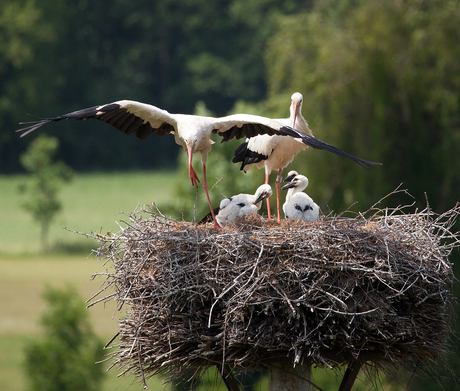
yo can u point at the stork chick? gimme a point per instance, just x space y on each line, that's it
241 205
298 205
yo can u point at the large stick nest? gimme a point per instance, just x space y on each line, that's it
327 292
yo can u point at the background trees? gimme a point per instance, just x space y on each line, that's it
169 53
65 358
46 176
381 80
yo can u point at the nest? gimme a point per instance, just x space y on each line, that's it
326 292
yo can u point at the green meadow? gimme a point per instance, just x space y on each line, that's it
91 202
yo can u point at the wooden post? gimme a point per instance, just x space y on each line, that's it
229 379
350 375
284 377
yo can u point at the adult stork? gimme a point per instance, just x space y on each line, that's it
298 205
242 205
192 132
275 153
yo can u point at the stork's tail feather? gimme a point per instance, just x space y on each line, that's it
246 156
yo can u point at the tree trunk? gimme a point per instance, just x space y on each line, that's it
283 377
44 236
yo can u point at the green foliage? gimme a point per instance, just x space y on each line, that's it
170 53
381 81
27 73
46 176
65 358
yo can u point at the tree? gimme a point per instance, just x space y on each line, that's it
169 53
380 80
64 359
43 203
28 76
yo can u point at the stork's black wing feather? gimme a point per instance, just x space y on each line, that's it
113 114
106 111
247 130
318 144
208 217
246 156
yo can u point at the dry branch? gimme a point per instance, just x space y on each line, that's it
329 292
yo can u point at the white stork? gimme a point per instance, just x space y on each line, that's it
241 205
275 153
192 132
298 205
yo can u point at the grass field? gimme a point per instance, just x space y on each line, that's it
21 284
91 202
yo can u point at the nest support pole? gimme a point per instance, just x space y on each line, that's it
229 380
283 377
350 375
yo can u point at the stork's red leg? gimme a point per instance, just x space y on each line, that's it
278 186
205 187
191 172
268 198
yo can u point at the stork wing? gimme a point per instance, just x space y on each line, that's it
247 125
318 144
247 156
125 115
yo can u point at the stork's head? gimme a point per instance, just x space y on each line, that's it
298 181
296 106
264 191
290 176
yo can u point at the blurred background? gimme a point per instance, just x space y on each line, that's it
380 80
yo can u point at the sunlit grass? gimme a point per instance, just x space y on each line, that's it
22 281
11 375
91 202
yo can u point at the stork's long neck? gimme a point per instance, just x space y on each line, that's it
294 113
296 119
293 190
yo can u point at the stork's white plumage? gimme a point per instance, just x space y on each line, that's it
192 132
299 205
275 153
241 205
